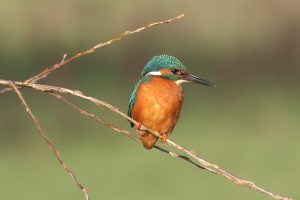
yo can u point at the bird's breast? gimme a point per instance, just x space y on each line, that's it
158 104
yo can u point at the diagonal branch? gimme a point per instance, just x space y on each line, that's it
120 130
48 140
191 157
65 61
203 163
95 117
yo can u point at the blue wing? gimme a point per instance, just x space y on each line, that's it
133 98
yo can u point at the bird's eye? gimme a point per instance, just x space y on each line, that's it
176 71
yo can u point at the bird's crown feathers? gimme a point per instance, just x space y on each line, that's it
163 62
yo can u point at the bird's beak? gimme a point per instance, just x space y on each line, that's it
196 79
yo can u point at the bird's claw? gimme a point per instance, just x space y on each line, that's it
138 126
164 138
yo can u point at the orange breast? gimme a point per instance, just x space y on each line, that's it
158 104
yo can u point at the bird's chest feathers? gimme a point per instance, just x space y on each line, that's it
158 101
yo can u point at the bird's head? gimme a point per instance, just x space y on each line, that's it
171 68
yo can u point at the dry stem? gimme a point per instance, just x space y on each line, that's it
120 130
63 62
48 140
11 86
57 91
200 161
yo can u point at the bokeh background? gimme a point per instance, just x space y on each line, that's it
249 124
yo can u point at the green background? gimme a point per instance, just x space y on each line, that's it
248 125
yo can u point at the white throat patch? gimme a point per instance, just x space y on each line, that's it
178 82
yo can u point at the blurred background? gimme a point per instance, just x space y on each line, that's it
248 125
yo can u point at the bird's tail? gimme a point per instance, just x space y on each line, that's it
147 139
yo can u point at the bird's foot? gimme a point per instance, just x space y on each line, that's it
164 137
138 126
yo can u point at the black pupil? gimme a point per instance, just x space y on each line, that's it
175 71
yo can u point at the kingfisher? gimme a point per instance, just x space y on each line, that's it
156 99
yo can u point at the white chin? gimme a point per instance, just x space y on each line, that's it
178 82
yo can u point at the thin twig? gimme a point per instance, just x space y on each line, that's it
3 91
46 74
203 163
63 62
198 161
95 117
120 130
47 70
175 155
48 141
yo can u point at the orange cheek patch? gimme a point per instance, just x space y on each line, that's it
165 71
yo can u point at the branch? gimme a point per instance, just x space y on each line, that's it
48 140
96 117
63 62
119 130
203 163
47 71
191 157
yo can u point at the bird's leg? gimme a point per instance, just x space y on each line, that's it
164 137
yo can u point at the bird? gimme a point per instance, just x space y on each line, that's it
156 99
